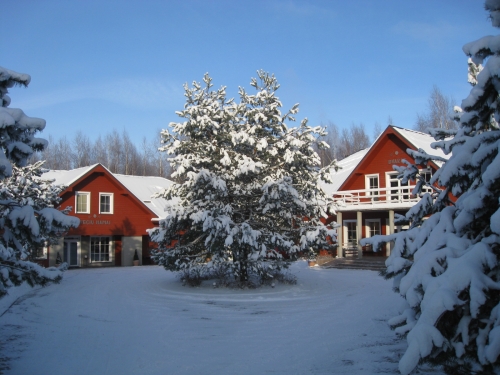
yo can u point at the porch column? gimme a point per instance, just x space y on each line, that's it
340 234
359 232
388 246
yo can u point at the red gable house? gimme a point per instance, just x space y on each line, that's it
114 211
368 193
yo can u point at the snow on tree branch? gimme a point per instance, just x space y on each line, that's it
28 219
249 199
446 265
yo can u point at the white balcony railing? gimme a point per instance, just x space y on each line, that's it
375 197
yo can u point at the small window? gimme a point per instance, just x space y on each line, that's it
426 175
100 250
40 252
82 202
105 203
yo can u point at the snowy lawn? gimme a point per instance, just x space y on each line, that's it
141 320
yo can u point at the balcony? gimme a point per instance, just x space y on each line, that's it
397 197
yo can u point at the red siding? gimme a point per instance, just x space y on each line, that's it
388 151
130 217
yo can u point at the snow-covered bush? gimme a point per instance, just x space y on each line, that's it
248 196
447 266
28 219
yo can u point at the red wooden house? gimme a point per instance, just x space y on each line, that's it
368 193
114 211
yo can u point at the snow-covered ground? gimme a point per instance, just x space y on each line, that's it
141 320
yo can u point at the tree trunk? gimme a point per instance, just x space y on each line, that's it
243 265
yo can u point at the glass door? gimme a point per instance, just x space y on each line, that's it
398 193
71 253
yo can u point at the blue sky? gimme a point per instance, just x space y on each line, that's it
103 65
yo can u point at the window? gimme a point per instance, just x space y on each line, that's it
100 249
427 175
82 202
105 203
40 252
397 194
372 227
371 183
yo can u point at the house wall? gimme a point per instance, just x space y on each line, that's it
130 217
388 151
54 250
125 226
129 245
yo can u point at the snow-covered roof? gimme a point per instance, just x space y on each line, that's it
140 186
421 140
346 165
144 187
67 177
415 138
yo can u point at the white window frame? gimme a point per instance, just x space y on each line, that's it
402 196
45 250
82 193
372 193
344 232
111 250
426 189
367 226
111 203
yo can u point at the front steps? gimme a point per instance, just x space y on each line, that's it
366 263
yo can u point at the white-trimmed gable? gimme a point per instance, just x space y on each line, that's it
417 139
142 187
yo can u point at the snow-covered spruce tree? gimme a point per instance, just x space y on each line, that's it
28 218
447 266
248 200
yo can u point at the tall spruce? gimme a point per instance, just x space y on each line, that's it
248 200
28 219
446 267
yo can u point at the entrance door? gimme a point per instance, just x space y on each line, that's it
350 239
71 253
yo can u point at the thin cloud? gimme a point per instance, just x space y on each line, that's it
432 34
137 93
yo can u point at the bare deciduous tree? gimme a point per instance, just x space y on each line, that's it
82 154
439 112
332 139
353 140
114 147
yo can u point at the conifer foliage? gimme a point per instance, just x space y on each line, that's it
447 266
28 219
249 201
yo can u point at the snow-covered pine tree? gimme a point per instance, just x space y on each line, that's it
28 218
248 199
447 266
